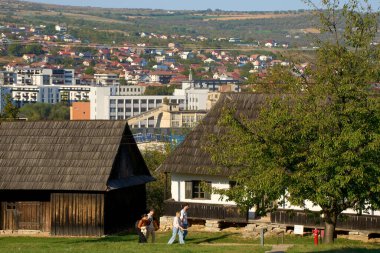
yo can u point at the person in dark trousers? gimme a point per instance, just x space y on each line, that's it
141 228
184 220
151 228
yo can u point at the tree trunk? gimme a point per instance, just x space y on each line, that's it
330 224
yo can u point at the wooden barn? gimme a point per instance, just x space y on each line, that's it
76 178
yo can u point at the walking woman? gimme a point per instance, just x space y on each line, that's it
177 229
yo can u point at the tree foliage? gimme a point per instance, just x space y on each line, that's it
10 111
156 190
317 139
19 50
43 111
165 90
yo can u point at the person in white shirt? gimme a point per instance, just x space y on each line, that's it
183 218
177 229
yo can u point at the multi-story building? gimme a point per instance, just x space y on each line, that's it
129 90
107 104
167 116
7 78
195 98
124 107
31 94
80 111
41 76
107 79
50 94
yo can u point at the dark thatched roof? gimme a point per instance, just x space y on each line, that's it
69 156
189 157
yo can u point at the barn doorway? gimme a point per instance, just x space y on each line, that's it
22 215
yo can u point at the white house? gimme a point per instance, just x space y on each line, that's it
192 172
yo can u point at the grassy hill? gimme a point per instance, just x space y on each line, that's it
290 26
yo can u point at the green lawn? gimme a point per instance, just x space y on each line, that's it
196 242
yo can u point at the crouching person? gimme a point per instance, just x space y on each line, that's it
141 228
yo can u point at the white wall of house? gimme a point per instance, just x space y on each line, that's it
178 182
178 188
309 205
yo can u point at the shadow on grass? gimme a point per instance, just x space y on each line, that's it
209 239
129 237
345 250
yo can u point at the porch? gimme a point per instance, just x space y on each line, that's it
346 222
199 211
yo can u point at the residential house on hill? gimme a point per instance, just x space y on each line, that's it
70 178
191 169
189 165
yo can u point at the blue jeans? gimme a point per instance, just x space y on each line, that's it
185 226
180 235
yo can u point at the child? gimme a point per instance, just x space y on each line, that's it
177 229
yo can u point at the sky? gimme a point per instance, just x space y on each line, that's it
238 5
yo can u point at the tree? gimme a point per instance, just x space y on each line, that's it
10 111
15 49
33 49
156 190
90 71
43 111
321 141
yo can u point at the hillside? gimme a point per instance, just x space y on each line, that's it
294 27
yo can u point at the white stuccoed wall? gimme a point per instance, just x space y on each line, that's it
219 182
178 188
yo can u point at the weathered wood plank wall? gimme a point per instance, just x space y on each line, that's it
77 214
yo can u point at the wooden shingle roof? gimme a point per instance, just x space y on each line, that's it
62 155
190 157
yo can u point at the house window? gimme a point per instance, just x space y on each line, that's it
197 190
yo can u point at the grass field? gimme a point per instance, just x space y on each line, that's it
197 242
250 16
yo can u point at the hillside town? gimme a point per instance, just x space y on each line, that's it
133 74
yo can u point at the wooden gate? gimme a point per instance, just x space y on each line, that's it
22 215
29 215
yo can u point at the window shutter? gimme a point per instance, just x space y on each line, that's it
188 190
208 190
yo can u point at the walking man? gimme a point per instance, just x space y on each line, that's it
184 220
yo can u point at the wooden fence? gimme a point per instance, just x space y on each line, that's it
312 219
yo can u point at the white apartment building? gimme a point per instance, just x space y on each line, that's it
195 99
129 90
31 94
107 79
108 105
41 76
50 94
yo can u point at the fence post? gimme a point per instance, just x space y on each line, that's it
262 231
